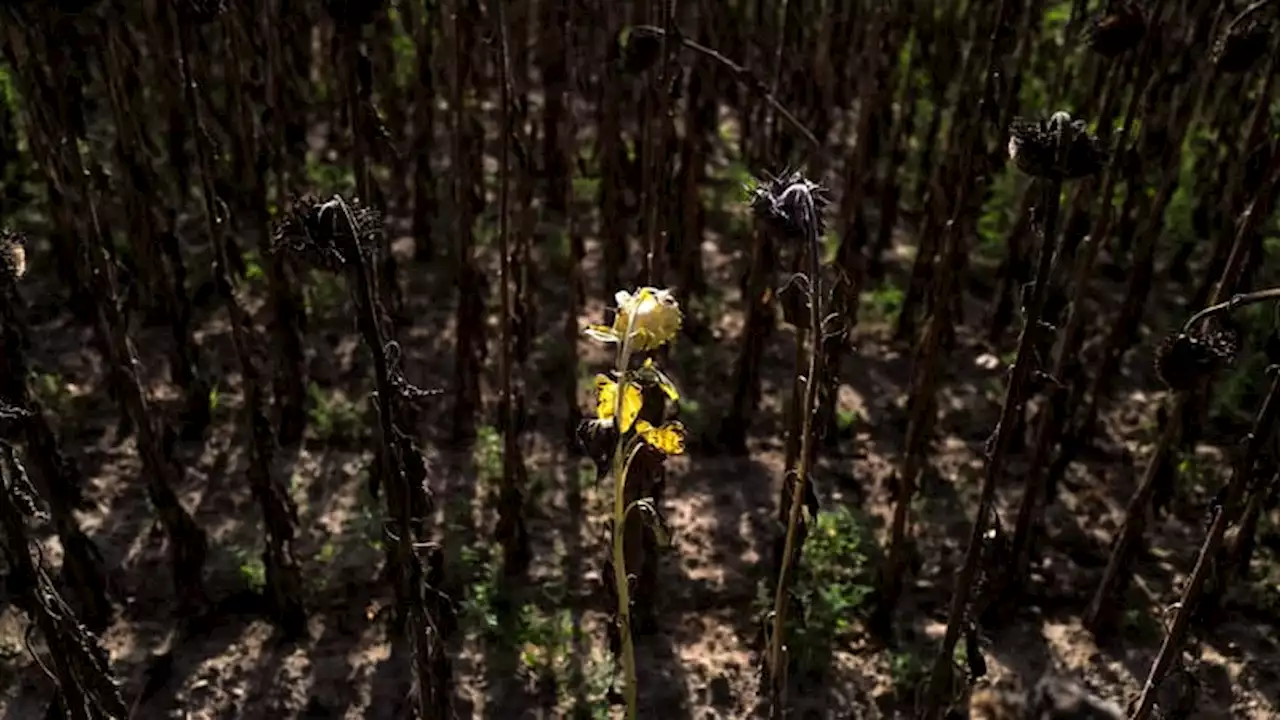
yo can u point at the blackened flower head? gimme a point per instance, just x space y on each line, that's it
329 235
1056 149
791 204
1117 31
640 50
13 256
1185 358
1245 40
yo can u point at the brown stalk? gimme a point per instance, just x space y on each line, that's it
1242 475
86 690
59 476
70 177
466 165
777 658
1115 577
421 606
553 55
613 160
1015 397
744 77
1052 415
284 581
283 301
511 530
926 366
424 20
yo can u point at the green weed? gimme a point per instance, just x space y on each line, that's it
333 416
831 590
882 305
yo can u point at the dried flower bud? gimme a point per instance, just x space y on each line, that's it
791 204
1117 31
321 233
13 256
1242 44
1184 359
1056 149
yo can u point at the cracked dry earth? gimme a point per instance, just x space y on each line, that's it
701 662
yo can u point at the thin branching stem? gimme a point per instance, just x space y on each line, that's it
782 596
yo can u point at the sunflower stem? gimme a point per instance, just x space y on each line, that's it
620 468
1236 302
776 640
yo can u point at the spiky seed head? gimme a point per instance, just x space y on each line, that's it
791 204
13 256
1117 31
1034 147
1183 358
319 232
1242 44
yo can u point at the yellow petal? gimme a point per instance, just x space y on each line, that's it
602 333
668 439
606 397
631 403
607 401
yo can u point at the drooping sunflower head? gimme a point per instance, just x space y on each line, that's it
646 320
328 235
1184 358
1058 148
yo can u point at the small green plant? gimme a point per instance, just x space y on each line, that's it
545 640
252 570
52 391
253 266
830 590
907 672
479 605
334 417
882 305
487 455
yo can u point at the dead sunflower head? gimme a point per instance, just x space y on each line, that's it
1184 358
1117 31
791 204
329 234
1055 149
639 49
13 256
1245 41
